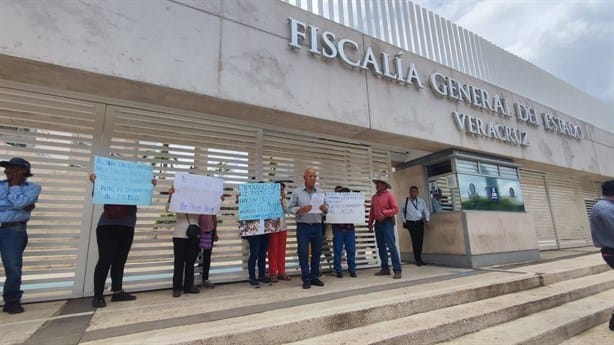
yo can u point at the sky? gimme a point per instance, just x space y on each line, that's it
571 39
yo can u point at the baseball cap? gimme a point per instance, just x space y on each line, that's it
17 162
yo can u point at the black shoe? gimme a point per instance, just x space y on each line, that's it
306 285
339 275
176 293
382 272
317 282
612 323
265 280
193 290
352 274
122 296
98 302
419 263
254 283
13 308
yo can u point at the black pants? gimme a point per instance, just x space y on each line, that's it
416 231
114 244
608 256
186 252
257 254
206 263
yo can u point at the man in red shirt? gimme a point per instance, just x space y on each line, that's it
384 208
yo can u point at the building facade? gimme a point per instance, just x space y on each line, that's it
250 90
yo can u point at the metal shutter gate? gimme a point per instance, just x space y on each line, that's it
56 135
176 143
536 203
285 156
568 211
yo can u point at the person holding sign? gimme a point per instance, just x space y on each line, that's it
384 208
259 214
185 252
344 235
277 243
309 227
114 236
195 199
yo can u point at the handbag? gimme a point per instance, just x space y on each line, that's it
193 230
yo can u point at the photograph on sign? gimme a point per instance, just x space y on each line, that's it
259 227
121 182
196 194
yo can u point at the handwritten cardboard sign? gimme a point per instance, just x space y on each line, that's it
259 201
122 182
345 208
196 194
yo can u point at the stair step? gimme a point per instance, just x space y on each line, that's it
451 322
313 319
551 326
599 334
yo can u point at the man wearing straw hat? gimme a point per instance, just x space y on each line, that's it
384 208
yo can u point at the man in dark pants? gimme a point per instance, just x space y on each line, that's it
602 226
308 228
17 198
415 215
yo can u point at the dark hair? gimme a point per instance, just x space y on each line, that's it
414 187
344 190
607 188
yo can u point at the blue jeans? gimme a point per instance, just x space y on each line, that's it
347 238
257 253
13 241
309 234
384 237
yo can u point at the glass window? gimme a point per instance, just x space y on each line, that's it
467 167
507 172
489 169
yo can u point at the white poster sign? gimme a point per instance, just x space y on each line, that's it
196 194
345 208
317 199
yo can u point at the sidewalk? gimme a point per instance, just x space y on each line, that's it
158 318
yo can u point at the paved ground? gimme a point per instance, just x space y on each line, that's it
75 321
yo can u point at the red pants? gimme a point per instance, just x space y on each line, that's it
277 253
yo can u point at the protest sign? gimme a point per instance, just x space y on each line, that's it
196 194
317 200
121 182
259 201
345 208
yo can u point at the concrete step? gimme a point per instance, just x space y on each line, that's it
313 319
452 322
278 314
552 326
599 334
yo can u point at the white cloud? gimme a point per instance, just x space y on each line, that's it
572 39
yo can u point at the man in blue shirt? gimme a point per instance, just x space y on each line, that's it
308 227
602 227
17 198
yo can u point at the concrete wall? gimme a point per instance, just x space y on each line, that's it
237 52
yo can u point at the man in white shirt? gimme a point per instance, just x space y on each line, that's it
415 215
